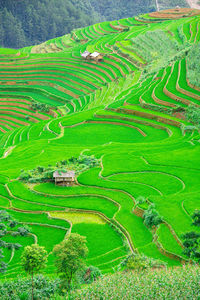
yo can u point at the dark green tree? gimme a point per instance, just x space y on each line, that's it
192 245
152 217
196 218
35 21
70 255
33 260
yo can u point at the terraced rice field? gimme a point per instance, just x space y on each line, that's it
117 110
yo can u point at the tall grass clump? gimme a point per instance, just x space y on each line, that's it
176 283
193 65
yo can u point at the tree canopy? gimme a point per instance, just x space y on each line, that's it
70 255
30 22
152 217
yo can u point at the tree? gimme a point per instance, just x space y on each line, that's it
192 239
152 217
196 218
192 245
70 255
35 21
33 259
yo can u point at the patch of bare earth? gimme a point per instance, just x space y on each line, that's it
194 3
176 13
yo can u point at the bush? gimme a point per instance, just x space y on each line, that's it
152 217
24 176
193 114
37 106
20 288
140 262
193 65
88 275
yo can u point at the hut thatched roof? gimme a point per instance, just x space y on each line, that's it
95 54
68 174
85 54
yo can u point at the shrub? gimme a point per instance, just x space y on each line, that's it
37 106
24 176
140 262
193 114
19 289
152 217
192 245
193 65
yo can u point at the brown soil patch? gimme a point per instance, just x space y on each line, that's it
5 125
179 115
65 65
27 112
194 3
2 130
12 119
9 123
39 73
13 104
13 113
175 13
15 100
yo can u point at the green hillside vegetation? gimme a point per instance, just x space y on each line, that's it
128 125
176 283
31 22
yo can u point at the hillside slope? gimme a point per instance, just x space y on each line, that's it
31 22
129 111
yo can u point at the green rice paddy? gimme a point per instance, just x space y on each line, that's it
117 110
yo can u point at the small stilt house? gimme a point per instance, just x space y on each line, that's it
64 178
96 56
86 55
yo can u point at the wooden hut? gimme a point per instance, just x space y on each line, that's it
86 55
64 178
96 56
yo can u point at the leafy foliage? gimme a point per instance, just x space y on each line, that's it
192 245
34 258
37 106
155 45
70 255
176 283
196 218
19 289
88 275
34 21
9 226
139 262
78 164
193 64
152 217
193 114
192 239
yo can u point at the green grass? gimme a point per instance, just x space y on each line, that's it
167 240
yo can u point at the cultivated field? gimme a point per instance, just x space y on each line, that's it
128 111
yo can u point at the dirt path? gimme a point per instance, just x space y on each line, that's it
194 4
